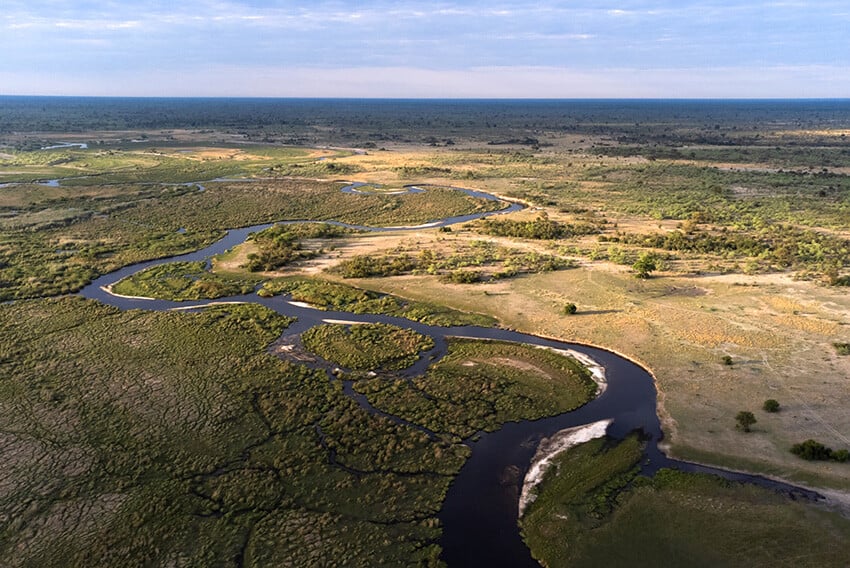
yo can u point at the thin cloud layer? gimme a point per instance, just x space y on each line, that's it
623 49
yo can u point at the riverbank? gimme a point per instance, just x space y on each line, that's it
549 449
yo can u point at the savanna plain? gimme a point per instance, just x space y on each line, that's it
707 241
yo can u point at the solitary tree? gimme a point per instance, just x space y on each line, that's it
570 308
771 405
645 265
745 419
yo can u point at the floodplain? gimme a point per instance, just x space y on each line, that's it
174 438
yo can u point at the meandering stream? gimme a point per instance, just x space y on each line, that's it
479 514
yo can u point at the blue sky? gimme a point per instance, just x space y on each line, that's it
426 49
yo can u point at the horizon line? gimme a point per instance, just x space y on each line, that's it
318 98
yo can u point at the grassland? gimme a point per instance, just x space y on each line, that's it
337 296
749 222
180 281
368 347
591 510
55 239
480 385
153 438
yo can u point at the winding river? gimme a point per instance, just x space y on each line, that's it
479 515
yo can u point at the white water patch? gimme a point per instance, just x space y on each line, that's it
80 145
108 290
200 306
345 322
549 449
423 226
597 371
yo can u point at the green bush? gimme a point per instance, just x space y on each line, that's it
771 405
812 450
745 419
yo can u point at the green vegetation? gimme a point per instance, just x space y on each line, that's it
175 439
181 281
570 308
815 451
773 247
367 347
140 204
540 228
494 261
771 405
577 495
147 163
645 265
591 510
281 245
480 385
727 360
142 437
744 420
336 296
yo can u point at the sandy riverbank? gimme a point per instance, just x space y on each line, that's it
549 449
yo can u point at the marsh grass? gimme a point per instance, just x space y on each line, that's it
591 510
139 437
480 385
367 347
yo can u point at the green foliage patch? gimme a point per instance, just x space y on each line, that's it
336 296
540 228
181 281
366 347
480 385
282 244
590 510
496 263
147 437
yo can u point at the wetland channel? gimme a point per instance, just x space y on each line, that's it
479 515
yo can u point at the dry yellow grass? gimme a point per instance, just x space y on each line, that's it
778 331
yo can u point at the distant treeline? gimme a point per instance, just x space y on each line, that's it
390 119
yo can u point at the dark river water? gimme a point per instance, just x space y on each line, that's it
479 515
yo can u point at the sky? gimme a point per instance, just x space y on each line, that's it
413 49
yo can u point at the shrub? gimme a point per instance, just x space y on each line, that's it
570 308
745 419
811 450
727 360
771 405
842 348
645 265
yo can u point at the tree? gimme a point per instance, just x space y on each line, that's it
570 308
727 360
645 265
771 405
745 419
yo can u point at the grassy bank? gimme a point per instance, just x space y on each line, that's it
480 385
591 511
